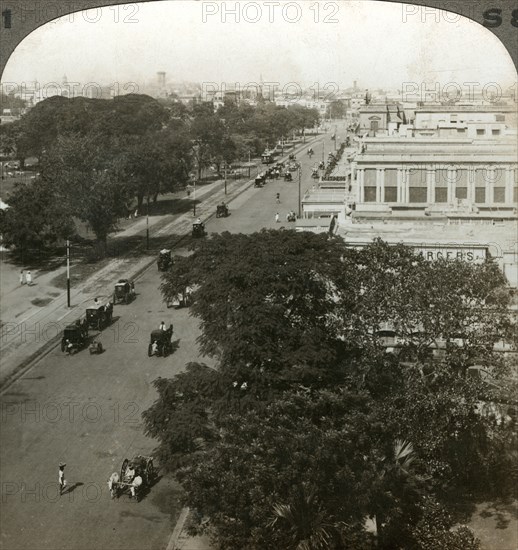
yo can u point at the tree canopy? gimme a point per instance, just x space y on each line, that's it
136 148
307 424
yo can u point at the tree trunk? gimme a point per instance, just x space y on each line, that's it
140 201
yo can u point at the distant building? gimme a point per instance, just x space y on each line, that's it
384 117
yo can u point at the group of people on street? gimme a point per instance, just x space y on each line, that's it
25 278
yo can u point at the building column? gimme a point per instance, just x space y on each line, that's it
430 185
400 185
471 185
406 185
361 185
509 185
380 185
451 186
490 175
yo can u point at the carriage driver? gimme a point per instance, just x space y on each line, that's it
129 475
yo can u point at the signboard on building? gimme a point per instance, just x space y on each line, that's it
466 253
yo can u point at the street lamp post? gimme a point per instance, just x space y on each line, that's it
68 273
147 224
194 198
225 178
300 180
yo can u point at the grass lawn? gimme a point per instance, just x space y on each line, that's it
495 523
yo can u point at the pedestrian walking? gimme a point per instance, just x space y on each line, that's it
277 218
28 278
162 326
22 277
61 478
278 196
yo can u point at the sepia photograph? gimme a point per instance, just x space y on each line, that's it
258 275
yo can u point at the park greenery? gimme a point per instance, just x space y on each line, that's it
306 424
100 159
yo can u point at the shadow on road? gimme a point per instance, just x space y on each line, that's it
72 488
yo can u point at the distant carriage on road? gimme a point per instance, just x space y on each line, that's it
267 157
198 229
99 317
221 211
74 337
124 291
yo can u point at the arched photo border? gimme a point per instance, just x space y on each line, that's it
500 17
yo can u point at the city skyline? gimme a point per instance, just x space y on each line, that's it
189 42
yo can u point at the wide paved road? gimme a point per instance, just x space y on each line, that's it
86 411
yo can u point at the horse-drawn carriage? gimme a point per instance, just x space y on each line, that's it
267 157
99 316
291 216
136 476
221 210
124 291
198 229
74 337
288 176
260 180
160 342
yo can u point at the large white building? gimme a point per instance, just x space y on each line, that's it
399 172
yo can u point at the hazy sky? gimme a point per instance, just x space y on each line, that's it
377 44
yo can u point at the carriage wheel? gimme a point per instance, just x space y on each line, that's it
62 346
150 350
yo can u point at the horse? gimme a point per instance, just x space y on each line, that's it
113 481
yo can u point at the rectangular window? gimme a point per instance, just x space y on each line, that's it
417 176
391 177
461 184
441 177
390 194
461 192
441 194
480 132
481 176
499 118
370 194
480 195
495 132
370 177
499 194
461 130
417 194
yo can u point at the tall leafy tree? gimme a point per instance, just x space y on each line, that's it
303 378
37 218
